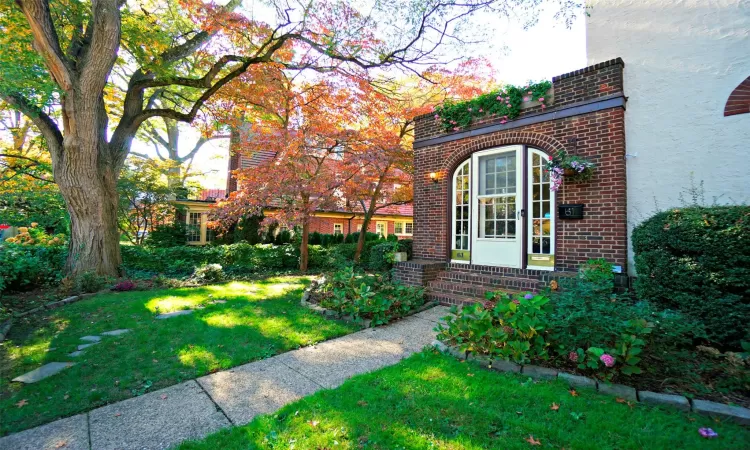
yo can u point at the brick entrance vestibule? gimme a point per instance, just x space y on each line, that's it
586 118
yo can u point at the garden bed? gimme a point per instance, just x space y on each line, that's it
624 392
364 299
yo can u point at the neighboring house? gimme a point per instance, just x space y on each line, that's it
391 219
473 233
687 80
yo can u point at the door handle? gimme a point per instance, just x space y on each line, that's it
521 213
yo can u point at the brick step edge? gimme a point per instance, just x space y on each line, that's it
5 329
366 323
737 414
451 299
466 289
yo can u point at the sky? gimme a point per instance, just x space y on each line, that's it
541 52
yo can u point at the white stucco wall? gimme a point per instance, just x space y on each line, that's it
682 59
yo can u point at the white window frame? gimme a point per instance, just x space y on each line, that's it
385 227
403 223
340 227
359 227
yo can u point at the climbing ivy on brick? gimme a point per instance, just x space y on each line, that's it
505 103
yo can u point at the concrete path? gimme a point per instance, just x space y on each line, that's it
196 408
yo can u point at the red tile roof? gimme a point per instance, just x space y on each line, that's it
212 193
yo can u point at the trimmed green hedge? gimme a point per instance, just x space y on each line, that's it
697 260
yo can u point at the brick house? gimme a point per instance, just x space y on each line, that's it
471 236
388 220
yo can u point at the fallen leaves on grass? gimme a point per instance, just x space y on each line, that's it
22 403
573 392
313 423
554 407
620 400
533 441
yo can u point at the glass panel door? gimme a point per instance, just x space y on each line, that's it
461 213
497 207
541 213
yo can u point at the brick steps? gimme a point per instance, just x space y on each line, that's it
488 282
445 298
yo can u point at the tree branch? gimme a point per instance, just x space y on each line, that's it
46 41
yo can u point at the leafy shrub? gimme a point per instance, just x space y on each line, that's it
26 267
696 260
598 275
34 235
369 297
124 286
353 238
381 256
506 327
283 237
89 282
168 235
209 273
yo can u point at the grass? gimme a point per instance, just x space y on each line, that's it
433 401
258 320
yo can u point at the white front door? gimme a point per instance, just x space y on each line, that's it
496 207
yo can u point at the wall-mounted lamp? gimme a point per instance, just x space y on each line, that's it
434 177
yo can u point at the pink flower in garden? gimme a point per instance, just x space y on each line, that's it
503 121
708 433
516 301
541 99
526 99
437 117
500 97
456 128
481 110
529 92
543 106
469 109
505 117
608 360
573 356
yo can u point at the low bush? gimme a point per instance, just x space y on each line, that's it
370 297
353 238
696 260
25 267
209 273
505 327
125 285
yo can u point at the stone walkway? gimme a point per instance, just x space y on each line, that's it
196 408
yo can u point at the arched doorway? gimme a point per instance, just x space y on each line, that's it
503 209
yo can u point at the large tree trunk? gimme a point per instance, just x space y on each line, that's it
88 183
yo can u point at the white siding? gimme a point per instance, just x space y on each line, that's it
682 59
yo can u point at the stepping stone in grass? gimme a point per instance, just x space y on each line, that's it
76 353
116 332
43 372
82 346
184 312
91 338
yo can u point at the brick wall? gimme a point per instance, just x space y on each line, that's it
598 136
739 99
325 224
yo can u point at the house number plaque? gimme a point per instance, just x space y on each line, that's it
567 212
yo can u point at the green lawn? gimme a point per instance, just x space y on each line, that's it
259 319
433 401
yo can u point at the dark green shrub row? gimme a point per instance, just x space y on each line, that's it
28 267
697 260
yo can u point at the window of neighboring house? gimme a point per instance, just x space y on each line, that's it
338 228
403 228
382 228
359 227
194 227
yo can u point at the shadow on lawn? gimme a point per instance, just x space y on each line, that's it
155 354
